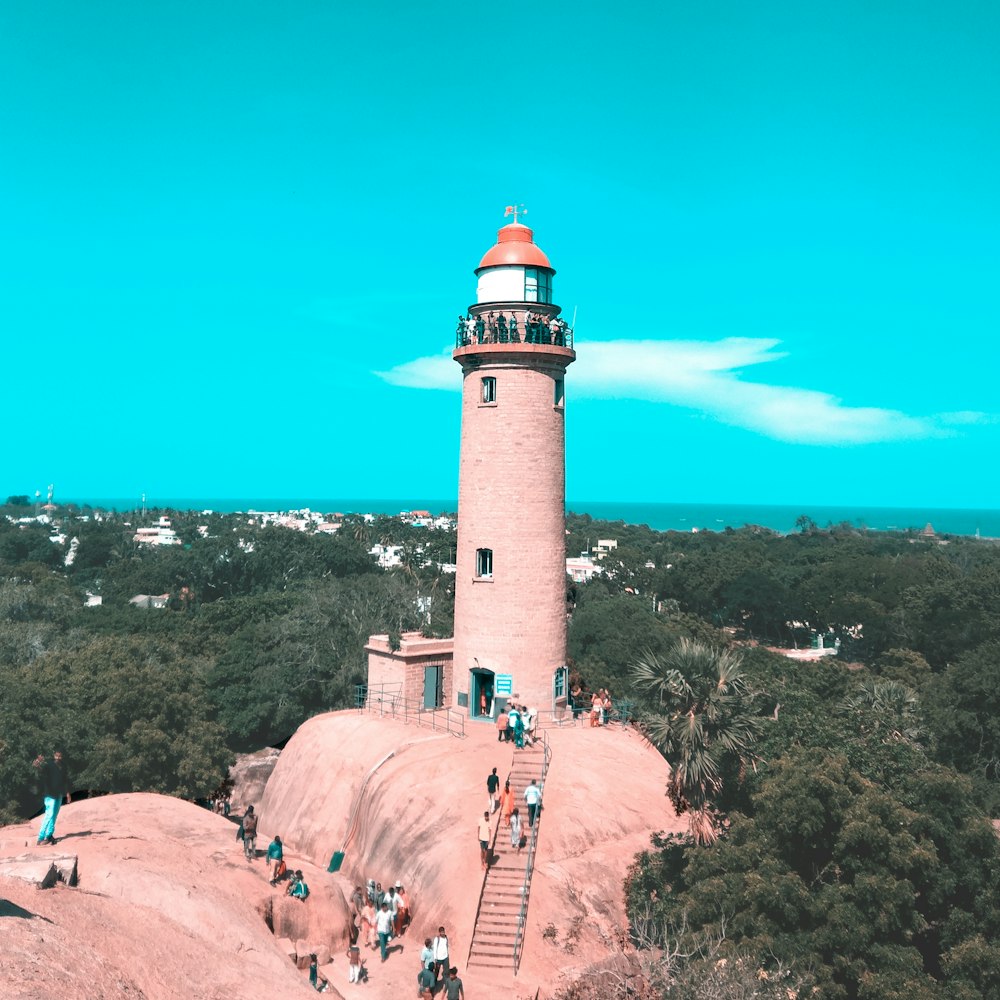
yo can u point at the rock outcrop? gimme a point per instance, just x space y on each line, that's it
166 906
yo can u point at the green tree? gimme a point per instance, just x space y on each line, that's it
129 712
704 722
963 710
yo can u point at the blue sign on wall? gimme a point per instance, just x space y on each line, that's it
503 683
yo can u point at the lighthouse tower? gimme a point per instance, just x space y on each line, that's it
510 587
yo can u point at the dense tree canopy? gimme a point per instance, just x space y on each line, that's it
265 626
857 859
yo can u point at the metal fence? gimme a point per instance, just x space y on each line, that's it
387 702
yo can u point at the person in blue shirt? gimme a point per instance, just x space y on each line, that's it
297 887
275 858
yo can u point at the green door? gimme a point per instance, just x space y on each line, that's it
432 687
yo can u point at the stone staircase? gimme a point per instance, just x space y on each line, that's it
496 941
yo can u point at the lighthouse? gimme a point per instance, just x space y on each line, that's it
510 587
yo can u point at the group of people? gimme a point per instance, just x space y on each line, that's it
378 916
434 967
517 724
496 328
222 805
600 708
599 705
506 802
277 868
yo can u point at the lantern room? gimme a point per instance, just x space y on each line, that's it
514 269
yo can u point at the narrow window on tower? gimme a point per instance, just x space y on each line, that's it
484 563
560 391
489 390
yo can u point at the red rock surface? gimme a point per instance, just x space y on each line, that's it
168 908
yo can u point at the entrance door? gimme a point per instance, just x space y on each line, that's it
432 687
481 689
560 682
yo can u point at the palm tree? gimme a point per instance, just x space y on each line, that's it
895 710
705 720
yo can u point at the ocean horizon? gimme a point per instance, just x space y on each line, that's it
659 516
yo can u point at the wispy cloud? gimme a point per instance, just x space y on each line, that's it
705 376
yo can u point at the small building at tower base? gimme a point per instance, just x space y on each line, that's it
418 670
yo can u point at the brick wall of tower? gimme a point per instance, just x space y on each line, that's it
512 500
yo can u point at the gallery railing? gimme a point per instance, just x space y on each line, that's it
517 329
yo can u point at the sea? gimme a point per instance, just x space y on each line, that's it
659 516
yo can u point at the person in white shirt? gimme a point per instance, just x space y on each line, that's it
383 926
440 948
533 797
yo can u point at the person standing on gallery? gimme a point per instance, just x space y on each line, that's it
55 788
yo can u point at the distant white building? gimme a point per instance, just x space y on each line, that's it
387 555
582 569
150 600
159 534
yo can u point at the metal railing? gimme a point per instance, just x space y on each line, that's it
387 702
544 328
529 867
623 713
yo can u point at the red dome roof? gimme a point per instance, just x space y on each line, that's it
514 246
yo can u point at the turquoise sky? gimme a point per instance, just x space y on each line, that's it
236 237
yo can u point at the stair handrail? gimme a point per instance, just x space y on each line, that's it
482 888
529 867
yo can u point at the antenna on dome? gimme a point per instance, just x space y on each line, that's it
514 210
